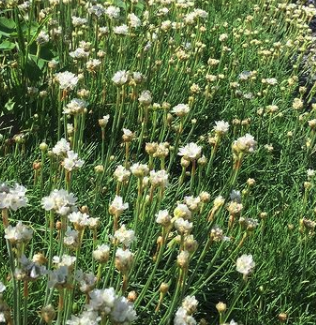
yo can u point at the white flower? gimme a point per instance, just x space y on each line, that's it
121 174
125 236
20 233
123 311
2 287
121 30
182 211
221 127
72 162
190 152
139 170
93 64
163 218
133 20
78 21
97 10
123 259
61 147
271 81
190 304
42 38
67 80
102 300
60 201
201 13
245 264
138 77
31 269
112 12
76 106
120 77
12 198
80 219
193 203
64 260
145 97
183 226
104 121
58 276
310 173
101 254
117 206
128 135
181 110
79 53
219 201
86 318
71 238
159 178
182 318
87 281
246 144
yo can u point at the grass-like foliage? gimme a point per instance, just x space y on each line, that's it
157 162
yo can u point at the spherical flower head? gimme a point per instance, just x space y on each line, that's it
183 226
64 260
190 304
245 144
87 317
71 238
58 278
123 260
81 220
76 106
120 78
128 135
104 121
183 259
181 110
193 203
221 127
245 264
234 207
183 318
163 218
133 20
139 170
297 104
61 148
102 300
67 80
190 152
59 201
117 207
123 311
159 178
162 150
121 174
13 198
96 10
42 38
182 211
101 254
79 53
121 30
19 234
145 98
125 236
113 12
71 162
